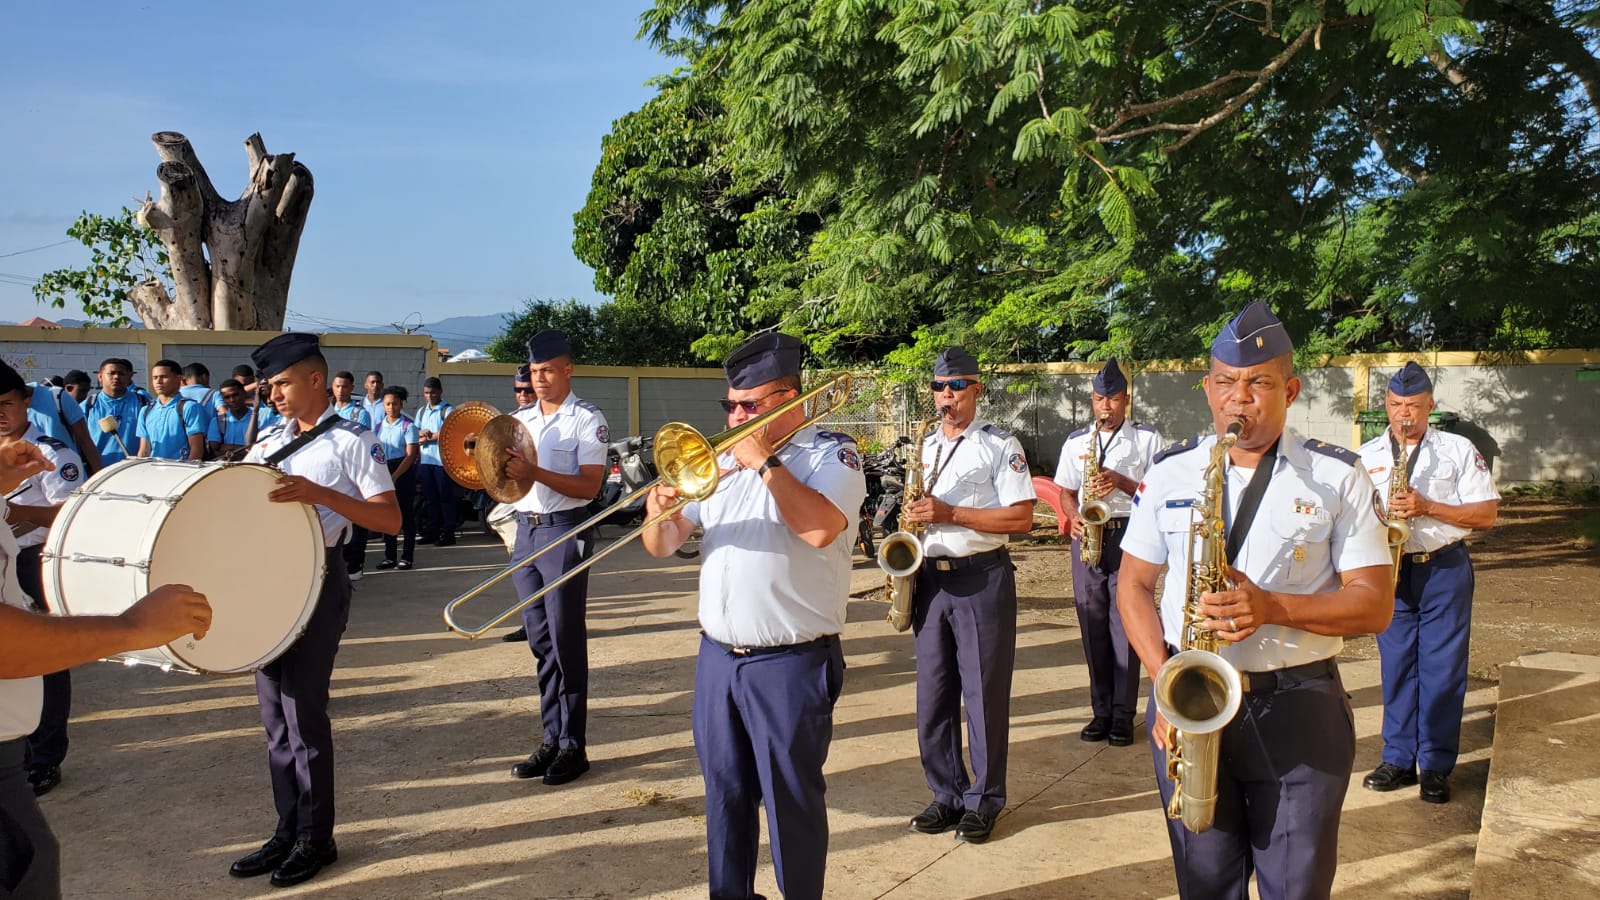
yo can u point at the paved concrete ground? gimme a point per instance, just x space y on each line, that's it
166 783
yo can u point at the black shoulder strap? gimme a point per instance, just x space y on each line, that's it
1250 502
306 437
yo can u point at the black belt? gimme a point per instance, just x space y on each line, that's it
1277 679
1424 557
560 517
1115 524
741 651
954 563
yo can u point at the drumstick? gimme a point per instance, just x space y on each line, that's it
110 425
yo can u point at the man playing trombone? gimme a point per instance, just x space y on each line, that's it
773 589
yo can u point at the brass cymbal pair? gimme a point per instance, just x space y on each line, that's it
472 446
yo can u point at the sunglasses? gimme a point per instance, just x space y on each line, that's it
524 390
954 384
749 406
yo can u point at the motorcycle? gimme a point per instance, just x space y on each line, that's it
885 474
628 467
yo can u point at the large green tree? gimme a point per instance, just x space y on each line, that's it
611 334
1043 179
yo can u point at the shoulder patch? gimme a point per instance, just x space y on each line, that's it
1183 446
1017 463
69 472
1348 457
377 453
1080 432
1140 426
997 431
847 455
837 437
602 434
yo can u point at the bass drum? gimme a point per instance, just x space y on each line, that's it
143 523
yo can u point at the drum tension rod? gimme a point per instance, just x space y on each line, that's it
142 498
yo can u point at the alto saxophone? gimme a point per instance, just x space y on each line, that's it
1399 530
1092 507
900 554
1197 691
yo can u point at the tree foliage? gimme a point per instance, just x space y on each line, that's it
611 334
123 254
1044 180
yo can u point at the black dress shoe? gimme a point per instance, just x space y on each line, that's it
936 819
1096 730
516 637
537 763
44 779
974 828
1121 733
304 862
269 857
567 766
427 539
1435 787
405 565
1388 777
386 565
445 540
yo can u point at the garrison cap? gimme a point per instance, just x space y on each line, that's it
764 358
284 351
10 379
1252 337
524 373
1110 381
547 345
955 362
1410 381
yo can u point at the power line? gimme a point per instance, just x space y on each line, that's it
36 249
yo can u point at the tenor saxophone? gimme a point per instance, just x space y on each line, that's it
1092 507
1197 691
1399 530
900 554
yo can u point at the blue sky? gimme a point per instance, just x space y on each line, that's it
451 143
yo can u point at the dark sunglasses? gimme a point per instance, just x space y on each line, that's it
954 384
523 390
749 406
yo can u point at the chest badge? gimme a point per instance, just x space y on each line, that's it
1299 553
1305 507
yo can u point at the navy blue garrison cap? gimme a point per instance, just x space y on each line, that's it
547 345
1110 382
10 380
1410 381
524 373
1252 337
764 358
284 351
955 362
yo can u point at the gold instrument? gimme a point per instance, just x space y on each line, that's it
1197 691
1399 530
472 448
686 460
900 554
1092 507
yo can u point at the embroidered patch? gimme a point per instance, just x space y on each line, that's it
1305 507
377 453
603 433
69 472
1477 460
847 455
1017 463
1137 493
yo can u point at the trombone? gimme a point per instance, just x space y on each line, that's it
687 461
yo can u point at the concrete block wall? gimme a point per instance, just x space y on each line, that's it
39 359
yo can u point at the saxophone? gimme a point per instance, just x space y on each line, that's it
900 554
1092 508
1399 529
1197 690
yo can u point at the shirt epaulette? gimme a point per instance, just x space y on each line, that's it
1349 457
584 404
997 431
352 426
1080 432
1188 443
837 437
1143 427
46 440
270 432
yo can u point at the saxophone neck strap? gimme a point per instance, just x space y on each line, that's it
1250 502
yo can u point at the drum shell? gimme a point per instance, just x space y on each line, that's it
207 525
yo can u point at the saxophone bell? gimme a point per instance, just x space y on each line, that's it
1092 507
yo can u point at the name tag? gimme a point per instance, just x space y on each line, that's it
1180 504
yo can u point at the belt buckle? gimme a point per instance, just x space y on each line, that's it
1421 557
944 565
739 651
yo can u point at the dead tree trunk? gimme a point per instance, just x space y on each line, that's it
231 261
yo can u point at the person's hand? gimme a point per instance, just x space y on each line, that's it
662 497
298 489
426 437
1162 731
1074 525
1103 484
19 461
1409 505
929 511
165 614
752 452
1235 614
518 468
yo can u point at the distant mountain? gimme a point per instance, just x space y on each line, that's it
461 332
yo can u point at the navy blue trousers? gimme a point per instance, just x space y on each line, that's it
293 693
30 857
47 746
438 501
1285 765
964 627
405 487
762 728
1424 653
1113 670
558 633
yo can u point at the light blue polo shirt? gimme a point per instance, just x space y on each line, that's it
225 429
168 436
353 412
125 410
199 393
48 406
394 436
431 418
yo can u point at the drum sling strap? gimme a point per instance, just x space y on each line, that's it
306 437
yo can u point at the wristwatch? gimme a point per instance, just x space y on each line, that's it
773 462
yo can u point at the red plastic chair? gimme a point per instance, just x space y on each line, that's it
1050 493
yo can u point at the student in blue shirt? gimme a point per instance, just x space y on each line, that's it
59 417
228 429
173 427
197 387
373 401
438 491
345 405
398 435
116 401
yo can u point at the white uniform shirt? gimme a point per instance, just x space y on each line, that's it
1128 450
1449 469
1317 518
21 699
47 488
574 435
346 458
760 584
986 470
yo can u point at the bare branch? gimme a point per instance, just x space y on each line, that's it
1450 68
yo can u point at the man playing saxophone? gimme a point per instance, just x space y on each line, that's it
1119 454
1308 566
1444 494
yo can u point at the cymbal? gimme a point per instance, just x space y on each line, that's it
503 433
458 435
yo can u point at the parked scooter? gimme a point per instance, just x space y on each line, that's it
629 466
885 474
